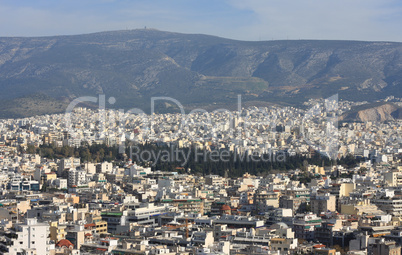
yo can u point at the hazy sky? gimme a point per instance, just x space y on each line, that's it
379 20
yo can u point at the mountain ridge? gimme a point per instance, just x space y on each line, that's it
198 70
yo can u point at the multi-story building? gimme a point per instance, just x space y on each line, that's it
324 234
239 221
263 201
24 185
393 178
283 245
105 167
68 163
296 204
32 238
381 246
214 180
76 178
298 192
57 231
323 203
76 235
391 206
113 219
279 215
304 225
187 205
141 214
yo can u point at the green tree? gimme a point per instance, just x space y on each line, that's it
31 149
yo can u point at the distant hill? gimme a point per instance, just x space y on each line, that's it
374 112
197 70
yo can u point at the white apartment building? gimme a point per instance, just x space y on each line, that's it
393 178
68 163
76 177
60 183
105 167
32 239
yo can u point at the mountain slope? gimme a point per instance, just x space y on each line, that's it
197 70
373 112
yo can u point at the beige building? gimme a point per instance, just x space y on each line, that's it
346 188
393 178
214 180
23 206
283 245
323 203
316 169
263 201
359 207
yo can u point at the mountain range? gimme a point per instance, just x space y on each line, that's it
40 75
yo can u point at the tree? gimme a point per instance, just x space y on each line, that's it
31 149
305 165
44 187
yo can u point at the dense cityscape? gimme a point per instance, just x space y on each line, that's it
108 182
214 127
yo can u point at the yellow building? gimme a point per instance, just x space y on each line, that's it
57 232
100 225
346 188
316 169
50 176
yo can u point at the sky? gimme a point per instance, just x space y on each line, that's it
251 20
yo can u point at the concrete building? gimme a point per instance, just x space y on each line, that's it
32 238
305 224
214 180
323 203
381 246
296 204
68 163
76 178
264 201
105 167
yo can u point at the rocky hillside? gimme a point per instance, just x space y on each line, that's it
197 70
376 112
